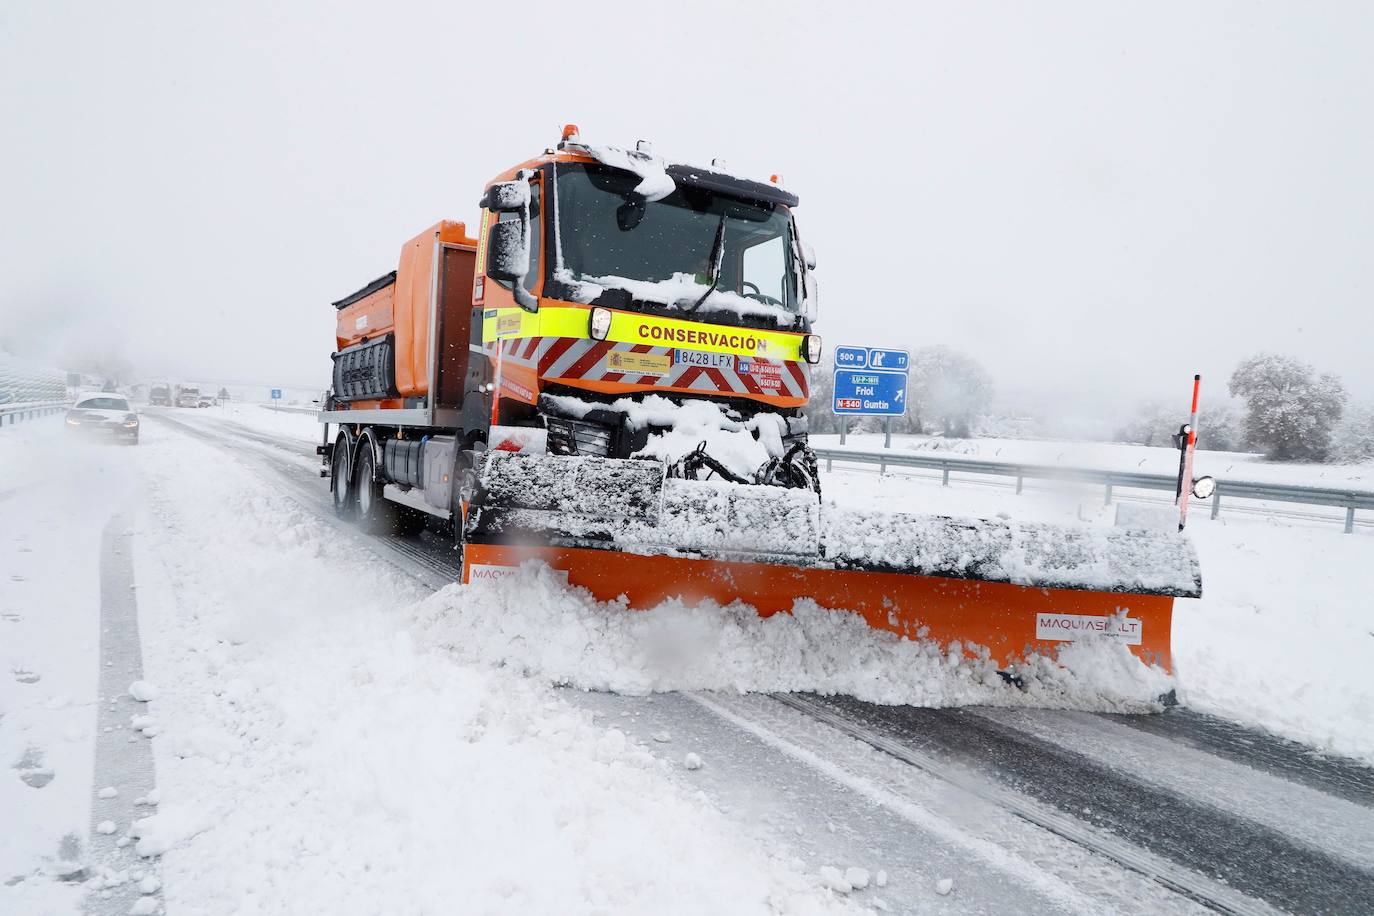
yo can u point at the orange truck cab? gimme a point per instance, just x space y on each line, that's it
596 278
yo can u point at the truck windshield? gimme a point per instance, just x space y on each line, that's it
660 251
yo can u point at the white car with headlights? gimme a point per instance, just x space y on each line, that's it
104 414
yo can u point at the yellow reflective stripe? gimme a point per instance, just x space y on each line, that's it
482 242
637 328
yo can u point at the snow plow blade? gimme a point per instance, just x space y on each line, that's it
622 527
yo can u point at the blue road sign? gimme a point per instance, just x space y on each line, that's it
870 381
276 394
851 357
891 360
869 393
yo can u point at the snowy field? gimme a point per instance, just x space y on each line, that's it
1116 456
325 730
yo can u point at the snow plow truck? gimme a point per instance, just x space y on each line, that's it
609 374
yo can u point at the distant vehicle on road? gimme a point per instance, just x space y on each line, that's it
205 401
160 396
188 396
104 414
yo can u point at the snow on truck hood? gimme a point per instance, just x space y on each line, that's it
672 293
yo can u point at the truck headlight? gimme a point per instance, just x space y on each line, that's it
811 348
599 325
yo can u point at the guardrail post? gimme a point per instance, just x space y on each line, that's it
1108 500
1349 519
944 481
828 463
1019 479
882 467
1216 503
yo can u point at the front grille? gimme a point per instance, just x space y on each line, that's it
579 437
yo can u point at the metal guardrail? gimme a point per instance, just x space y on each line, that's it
1349 500
11 414
291 408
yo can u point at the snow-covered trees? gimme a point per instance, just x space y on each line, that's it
1152 424
947 387
1353 439
1221 429
1289 410
1219 426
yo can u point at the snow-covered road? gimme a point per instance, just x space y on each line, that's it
340 729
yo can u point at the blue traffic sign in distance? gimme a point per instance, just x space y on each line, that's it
891 360
851 357
276 394
869 393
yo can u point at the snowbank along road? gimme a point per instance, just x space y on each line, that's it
340 727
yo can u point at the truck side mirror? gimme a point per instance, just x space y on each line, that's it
508 196
508 257
808 255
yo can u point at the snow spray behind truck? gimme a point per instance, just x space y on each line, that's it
608 376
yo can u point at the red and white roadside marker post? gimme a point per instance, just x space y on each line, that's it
1186 448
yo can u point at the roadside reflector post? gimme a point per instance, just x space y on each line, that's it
1108 500
1187 446
1349 519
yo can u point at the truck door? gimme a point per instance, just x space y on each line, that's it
455 320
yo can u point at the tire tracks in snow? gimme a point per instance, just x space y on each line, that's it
426 557
123 756
1217 857
1229 740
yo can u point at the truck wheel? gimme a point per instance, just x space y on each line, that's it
376 513
341 480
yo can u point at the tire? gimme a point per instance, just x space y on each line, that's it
341 481
376 513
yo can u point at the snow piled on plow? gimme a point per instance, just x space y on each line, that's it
534 623
1130 560
563 498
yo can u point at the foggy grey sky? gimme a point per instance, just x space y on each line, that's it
1095 200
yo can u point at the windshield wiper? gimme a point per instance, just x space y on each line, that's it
717 259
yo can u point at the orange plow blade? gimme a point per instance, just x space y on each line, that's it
618 528
1013 622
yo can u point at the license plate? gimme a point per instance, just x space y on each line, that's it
709 360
